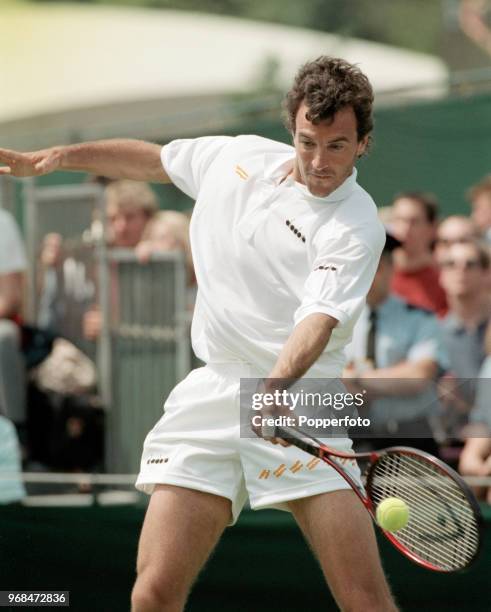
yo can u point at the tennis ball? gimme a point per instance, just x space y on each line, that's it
392 514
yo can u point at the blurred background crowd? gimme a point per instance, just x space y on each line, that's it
96 276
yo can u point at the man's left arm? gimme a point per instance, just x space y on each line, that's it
11 285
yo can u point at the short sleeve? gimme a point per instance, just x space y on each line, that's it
187 161
12 253
341 276
427 341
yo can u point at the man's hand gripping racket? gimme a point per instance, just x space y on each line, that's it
444 528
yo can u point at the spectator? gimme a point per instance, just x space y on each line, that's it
12 375
416 277
453 230
12 266
480 416
11 488
464 277
475 460
395 356
167 231
479 196
129 207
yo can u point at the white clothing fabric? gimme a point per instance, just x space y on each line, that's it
197 445
267 253
12 253
11 488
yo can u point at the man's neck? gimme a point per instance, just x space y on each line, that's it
411 262
471 310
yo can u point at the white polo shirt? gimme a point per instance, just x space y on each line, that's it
267 253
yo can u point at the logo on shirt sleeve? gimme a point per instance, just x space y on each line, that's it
325 268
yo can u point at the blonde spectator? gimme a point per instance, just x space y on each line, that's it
167 231
129 205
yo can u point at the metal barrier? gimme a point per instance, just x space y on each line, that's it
143 348
146 347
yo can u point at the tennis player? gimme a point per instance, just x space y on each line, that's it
286 245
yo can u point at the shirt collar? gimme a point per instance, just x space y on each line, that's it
452 321
276 167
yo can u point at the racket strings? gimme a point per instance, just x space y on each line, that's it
422 522
442 527
429 550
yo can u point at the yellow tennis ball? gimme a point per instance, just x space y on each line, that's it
392 514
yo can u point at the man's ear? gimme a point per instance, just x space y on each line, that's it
362 145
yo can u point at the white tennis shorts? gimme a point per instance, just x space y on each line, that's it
197 444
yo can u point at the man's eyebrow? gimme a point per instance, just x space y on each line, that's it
311 137
305 135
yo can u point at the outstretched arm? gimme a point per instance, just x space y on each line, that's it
115 158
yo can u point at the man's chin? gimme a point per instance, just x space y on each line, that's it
320 192
321 187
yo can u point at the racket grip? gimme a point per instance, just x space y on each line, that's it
293 435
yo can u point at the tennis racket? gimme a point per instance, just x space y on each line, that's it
445 526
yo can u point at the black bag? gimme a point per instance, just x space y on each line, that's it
36 344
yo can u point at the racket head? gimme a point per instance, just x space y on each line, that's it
445 527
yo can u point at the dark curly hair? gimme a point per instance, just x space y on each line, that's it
327 85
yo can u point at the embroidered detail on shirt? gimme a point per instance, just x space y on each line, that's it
325 268
241 172
158 460
297 232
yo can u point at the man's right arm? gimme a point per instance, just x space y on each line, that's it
116 158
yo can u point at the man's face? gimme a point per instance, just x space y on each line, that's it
462 274
326 152
125 226
453 230
481 211
411 226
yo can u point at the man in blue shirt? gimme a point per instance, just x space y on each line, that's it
395 355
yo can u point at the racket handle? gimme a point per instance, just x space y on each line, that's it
293 435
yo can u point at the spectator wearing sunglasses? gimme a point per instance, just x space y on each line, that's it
453 230
465 272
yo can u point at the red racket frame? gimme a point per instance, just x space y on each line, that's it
323 452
